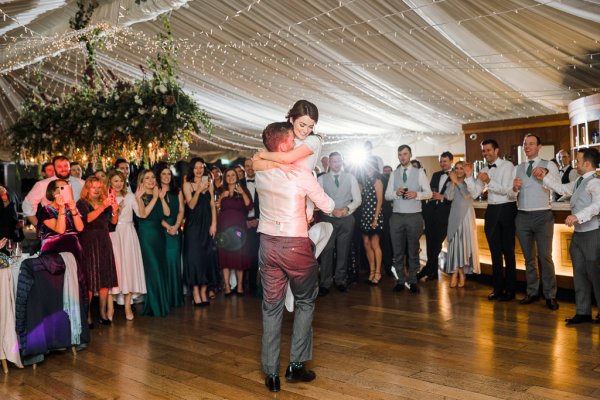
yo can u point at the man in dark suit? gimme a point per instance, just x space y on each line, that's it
435 213
252 224
566 171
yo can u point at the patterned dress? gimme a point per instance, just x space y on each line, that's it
369 204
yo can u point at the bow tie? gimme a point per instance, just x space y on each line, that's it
249 180
491 166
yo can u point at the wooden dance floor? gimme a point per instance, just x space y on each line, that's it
369 343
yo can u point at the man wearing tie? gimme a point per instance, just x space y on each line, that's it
407 187
252 223
497 178
566 171
37 195
585 244
435 213
343 188
535 223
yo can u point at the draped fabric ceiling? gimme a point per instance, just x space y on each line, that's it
389 71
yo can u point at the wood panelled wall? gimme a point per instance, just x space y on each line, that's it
509 133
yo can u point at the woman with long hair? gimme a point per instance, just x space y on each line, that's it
99 211
199 256
234 203
126 248
371 218
153 209
171 224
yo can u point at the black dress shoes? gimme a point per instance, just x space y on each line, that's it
341 288
399 287
508 296
414 288
552 304
529 299
272 382
494 296
421 274
578 319
299 374
432 277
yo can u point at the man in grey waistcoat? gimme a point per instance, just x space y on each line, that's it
286 255
585 245
343 188
406 188
535 222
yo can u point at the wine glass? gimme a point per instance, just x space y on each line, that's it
10 246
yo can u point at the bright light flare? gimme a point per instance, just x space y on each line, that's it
356 156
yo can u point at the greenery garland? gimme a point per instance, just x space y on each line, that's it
107 118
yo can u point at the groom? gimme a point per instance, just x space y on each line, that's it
286 253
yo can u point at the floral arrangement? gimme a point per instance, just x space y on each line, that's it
107 117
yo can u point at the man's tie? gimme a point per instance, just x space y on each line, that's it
249 180
578 182
337 182
530 168
490 166
404 176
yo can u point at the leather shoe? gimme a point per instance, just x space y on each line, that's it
341 288
421 274
552 304
494 296
399 287
272 382
508 296
578 319
529 299
432 277
323 291
300 374
414 288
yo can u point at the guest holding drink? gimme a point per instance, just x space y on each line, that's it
171 224
234 204
463 253
126 248
98 211
153 209
199 257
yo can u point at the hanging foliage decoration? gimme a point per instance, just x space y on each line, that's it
106 116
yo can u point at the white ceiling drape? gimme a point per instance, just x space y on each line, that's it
386 70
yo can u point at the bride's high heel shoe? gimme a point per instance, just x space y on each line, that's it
371 276
376 278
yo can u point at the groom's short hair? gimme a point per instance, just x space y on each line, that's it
275 133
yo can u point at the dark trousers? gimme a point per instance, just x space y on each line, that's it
585 255
283 259
340 242
436 229
500 234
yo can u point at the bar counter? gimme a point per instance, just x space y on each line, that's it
560 245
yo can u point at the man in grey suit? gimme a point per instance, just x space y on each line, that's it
585 245
286 254
535 222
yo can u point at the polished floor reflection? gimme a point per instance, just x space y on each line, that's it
369 343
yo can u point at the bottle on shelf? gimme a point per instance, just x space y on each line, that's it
595 136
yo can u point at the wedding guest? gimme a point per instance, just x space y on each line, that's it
172 223
241 174
126 248
252 225
153 208
123 165
199 257
387 171
371 218
98 211
217 178
566 171
10 227
37 195
47 170
368 146
325 164
234 204
101 175
76 171
463 253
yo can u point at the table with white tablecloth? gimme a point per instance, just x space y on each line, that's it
9 341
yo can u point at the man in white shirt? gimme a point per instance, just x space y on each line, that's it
535 223
286 254
37 195
497 178
406 188
343 188
566 171
585 245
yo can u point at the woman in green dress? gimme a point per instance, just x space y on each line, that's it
153 209
171 224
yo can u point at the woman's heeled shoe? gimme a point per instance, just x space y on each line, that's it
376 279
103 321
371 277
453 281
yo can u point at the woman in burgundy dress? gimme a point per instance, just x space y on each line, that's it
234 204
98 210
